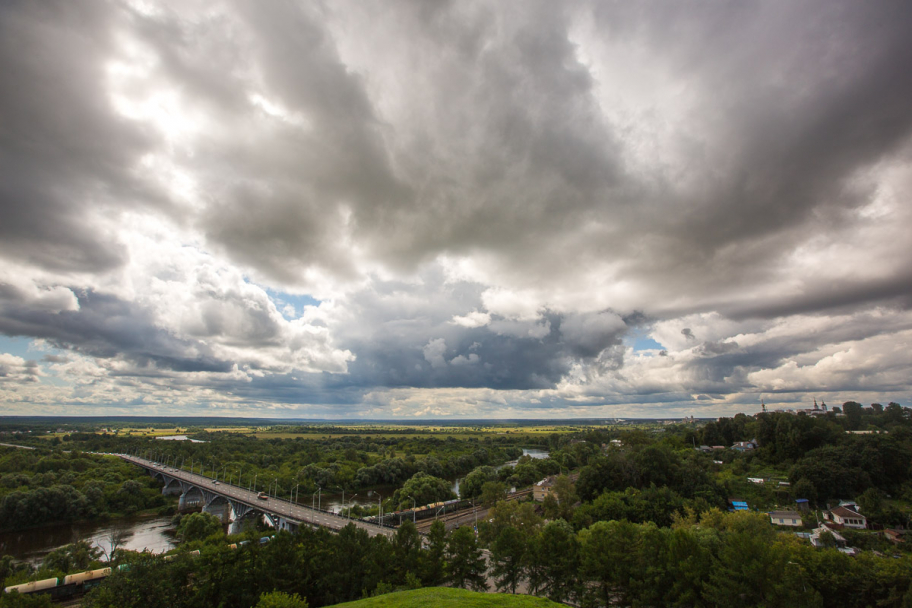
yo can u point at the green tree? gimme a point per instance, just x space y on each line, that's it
493 492
804 488
508 554
424 489
10 567
553 559
893 413
472 485
433 570
72 558
749 566
406 549
852 411
280 599
465 561
28 600
150 582
198 526
607 559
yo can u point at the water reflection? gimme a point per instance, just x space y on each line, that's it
179 438
152 534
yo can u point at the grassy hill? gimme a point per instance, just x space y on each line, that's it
444 596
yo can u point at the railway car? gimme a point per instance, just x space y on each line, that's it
89 576
34 586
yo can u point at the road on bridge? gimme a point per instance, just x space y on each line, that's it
291 511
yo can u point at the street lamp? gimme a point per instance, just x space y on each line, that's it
313 512
414 504
254 481
351 500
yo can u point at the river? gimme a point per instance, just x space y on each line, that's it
154 534
532 453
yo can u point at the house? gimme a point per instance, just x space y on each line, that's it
759 480
815 537
894 535
848 518
738 504
543 488
803 505
744 446
785 518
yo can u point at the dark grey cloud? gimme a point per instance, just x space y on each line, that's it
419 345
64 157
104 326
485 195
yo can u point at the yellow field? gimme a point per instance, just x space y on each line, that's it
404 431
380 431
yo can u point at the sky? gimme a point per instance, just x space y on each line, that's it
500 209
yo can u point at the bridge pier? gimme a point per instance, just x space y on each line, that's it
190 498
172 487
288 525
220 509
238 511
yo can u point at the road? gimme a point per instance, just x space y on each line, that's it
294 512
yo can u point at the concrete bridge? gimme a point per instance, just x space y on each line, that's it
232 503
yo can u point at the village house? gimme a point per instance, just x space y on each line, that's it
817 542
895 536
543 488
744 446
847 518
785 518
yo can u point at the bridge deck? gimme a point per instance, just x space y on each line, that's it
295 512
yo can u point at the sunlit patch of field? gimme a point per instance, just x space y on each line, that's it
341 431
148 431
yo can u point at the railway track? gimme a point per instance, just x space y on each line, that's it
464 516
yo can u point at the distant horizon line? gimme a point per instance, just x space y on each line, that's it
327 420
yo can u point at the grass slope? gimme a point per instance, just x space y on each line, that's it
444 596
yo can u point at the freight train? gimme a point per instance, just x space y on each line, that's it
72 585
67 586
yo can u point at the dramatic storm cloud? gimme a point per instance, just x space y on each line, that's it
503 209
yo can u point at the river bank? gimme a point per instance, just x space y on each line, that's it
153 533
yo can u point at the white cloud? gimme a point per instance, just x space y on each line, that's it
434 351
473 319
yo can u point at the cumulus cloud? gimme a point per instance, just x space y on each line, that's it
475 196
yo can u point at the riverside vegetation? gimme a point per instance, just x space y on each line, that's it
645 524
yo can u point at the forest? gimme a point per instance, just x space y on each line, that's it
638 515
